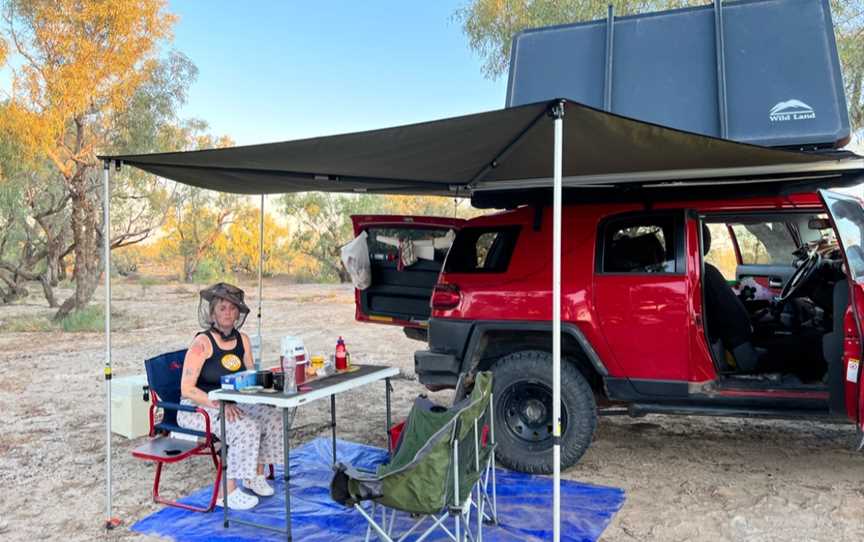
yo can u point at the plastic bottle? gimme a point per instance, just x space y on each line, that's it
341 355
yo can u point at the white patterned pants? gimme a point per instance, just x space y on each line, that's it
255 439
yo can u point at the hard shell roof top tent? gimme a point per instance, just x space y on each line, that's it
521 150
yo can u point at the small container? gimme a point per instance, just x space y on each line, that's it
279 381
264 379
317 362
300 372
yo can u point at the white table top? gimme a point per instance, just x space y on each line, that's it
316 389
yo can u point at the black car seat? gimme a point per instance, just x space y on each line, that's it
727 320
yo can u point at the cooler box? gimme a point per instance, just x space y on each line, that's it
130 412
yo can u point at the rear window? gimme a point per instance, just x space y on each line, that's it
429 244
482 250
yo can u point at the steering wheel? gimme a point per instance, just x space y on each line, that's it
801 276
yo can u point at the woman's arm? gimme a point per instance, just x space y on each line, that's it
248 360
198 352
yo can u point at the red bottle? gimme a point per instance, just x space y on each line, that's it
341 355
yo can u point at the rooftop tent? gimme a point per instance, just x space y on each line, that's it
520 150
506 149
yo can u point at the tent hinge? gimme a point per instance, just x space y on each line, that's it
557 110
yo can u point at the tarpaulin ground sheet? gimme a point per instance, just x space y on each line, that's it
524 506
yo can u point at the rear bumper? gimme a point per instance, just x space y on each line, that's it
439 367
436 370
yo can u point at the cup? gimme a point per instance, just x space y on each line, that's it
278 381
317 362
264 379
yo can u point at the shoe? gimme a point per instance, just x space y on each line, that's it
258 486
237 500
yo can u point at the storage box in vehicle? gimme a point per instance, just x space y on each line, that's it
783 84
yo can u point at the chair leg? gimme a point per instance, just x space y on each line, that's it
213 497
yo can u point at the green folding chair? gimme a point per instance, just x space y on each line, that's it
443 469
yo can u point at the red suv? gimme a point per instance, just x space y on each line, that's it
734 307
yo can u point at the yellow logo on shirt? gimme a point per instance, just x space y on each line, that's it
231 362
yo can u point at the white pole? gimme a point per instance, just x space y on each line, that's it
106 241
260 283
558 113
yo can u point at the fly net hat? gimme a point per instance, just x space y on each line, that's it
212 295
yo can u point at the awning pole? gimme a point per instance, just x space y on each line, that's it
260 283
558 114
110 522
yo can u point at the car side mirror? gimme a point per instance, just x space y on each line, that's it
819 224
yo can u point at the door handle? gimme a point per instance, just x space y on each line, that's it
775 282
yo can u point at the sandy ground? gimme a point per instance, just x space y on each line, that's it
686 478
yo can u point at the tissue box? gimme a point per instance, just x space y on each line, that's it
238 381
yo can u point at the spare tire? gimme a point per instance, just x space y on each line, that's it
522 386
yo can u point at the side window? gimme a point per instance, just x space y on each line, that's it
722 252
765 243
481 250
640 245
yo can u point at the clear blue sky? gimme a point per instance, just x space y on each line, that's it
273 71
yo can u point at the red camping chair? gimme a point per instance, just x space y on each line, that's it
163 376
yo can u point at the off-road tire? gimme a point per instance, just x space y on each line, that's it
534 368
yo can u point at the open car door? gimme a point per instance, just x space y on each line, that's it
848 217
406 254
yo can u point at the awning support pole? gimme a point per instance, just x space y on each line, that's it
260 283
110 522
558 115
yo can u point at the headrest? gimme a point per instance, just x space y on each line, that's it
706 239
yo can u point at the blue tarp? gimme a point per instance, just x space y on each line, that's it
524 506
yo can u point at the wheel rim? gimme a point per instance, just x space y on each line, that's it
527 413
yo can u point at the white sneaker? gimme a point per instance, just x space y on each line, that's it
237 500
258 486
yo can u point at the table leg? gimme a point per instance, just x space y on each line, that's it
223 452
387 389
333 424
286 470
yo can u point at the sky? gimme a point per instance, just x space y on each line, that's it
275 71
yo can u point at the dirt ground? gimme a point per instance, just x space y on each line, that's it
686 478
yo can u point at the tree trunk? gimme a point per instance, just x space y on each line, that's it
48 290
86 236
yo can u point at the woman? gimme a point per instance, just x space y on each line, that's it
254 432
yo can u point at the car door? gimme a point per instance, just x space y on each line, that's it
406 254
641 298
847 217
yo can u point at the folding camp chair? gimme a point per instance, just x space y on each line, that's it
442 469
163 376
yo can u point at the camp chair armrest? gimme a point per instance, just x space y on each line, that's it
207 433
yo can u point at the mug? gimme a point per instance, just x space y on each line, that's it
264 379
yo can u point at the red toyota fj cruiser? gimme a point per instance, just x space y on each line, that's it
725 307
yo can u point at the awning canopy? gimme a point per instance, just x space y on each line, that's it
507 149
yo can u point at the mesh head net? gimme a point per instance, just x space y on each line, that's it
211 296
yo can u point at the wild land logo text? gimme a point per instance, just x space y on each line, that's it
791 110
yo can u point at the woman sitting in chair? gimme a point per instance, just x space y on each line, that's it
254 432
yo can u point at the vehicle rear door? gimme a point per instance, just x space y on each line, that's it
847 216
406 254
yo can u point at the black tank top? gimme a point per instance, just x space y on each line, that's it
222 362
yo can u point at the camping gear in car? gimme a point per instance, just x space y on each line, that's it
776 80
355 258
341 355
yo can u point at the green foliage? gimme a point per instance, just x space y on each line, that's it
88 319
210 270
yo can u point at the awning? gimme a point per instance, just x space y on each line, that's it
506 149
